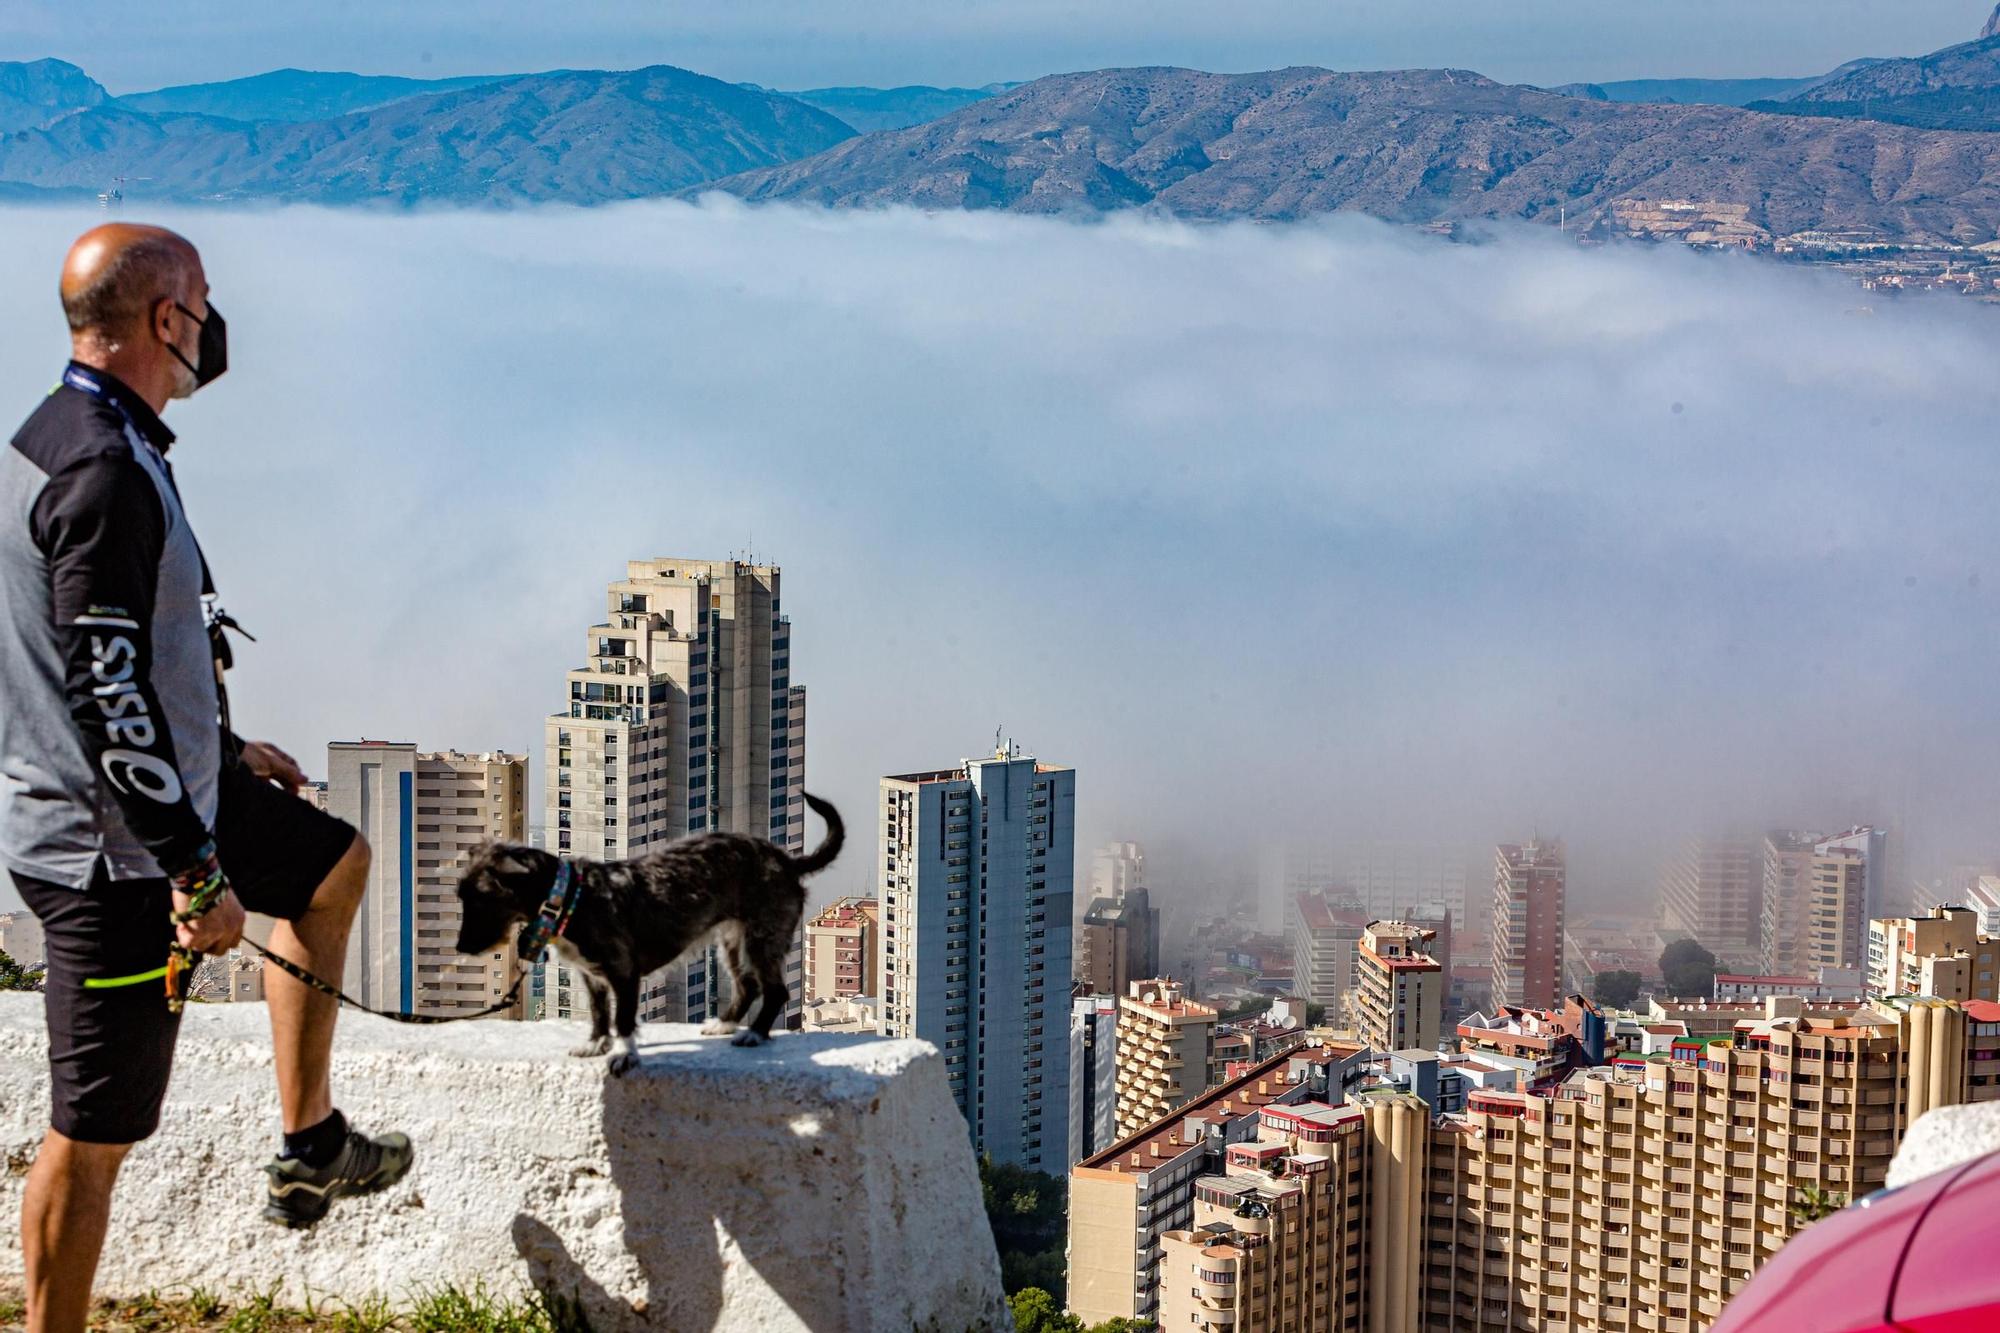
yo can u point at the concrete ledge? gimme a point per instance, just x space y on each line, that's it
819 1182
1943 1138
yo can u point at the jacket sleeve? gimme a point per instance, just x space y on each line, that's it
102 529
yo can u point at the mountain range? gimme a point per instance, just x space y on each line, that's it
1411 146
1905 147
1957 88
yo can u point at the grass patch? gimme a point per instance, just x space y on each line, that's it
434 1310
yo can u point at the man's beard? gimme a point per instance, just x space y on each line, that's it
184 381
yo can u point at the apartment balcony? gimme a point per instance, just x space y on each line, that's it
670 1198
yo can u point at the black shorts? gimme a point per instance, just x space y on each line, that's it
111 1048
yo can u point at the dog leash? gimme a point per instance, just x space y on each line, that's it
550 922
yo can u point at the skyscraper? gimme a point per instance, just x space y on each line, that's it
1787 876
1116 868
978 868
1093 1075
1163 1050
423 814
1713 889
1848 876
683 718
1529 883
1325 941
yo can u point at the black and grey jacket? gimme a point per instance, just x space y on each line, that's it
110 742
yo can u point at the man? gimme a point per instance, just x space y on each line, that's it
129 815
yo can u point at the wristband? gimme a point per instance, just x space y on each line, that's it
203 882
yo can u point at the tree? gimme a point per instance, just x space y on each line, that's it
1035 1311
1812 1203
1315 1014
1687 969
15 977
1616 990
1029 1216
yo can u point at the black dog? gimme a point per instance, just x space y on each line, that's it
633 917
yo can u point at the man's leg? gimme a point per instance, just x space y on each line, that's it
302 1018
64 1212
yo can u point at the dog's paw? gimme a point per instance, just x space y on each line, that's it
747 1037
623 1062
717 1027
595 1046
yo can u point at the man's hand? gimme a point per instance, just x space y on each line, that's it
270 763
218 930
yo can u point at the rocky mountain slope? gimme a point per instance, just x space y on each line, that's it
1413 146
1957 88
871 109
35 92
577 136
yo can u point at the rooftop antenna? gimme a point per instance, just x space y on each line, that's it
999 750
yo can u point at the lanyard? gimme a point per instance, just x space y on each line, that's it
76 377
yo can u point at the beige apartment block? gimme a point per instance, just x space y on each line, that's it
1787 894
1399 987
1842 882
1631 1197
841 950
424 813
1124 1200
1118 942
1163 1049
681 719
1281 1236
1942 955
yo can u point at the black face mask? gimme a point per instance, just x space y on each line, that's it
211 352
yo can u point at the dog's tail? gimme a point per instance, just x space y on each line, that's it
820 857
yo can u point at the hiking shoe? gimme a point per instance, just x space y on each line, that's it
300 1194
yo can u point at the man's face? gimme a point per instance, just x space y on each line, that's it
183 332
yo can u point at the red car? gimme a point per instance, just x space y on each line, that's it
1924 1258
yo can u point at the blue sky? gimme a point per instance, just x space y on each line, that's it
136 44
1332 528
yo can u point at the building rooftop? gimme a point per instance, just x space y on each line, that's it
1259 1086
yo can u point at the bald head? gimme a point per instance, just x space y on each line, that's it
115 274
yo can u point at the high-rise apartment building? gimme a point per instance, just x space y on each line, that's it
1116 869
843 951
1117 942
1634 1196
1325 941
1942 955
1787 905
1529 885
1848 874
1713 890
1399 988
978 866
1093 1075
682 719
1982 895
1163 1050
423 813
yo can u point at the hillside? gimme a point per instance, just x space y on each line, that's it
34 93
582 137
293 94
871 109
1412 146
1957 89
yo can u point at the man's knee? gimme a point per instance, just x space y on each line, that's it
344 887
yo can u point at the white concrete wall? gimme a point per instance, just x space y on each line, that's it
818 1182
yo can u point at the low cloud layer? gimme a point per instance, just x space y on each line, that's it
1270 531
